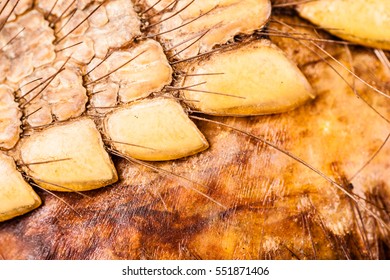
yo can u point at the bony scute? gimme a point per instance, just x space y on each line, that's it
74 158
370 18
244 191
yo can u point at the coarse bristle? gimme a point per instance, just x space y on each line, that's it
219 129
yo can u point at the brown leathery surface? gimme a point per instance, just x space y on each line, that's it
273 206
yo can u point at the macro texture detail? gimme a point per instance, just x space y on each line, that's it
194 129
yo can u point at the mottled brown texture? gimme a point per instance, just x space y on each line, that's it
274 207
